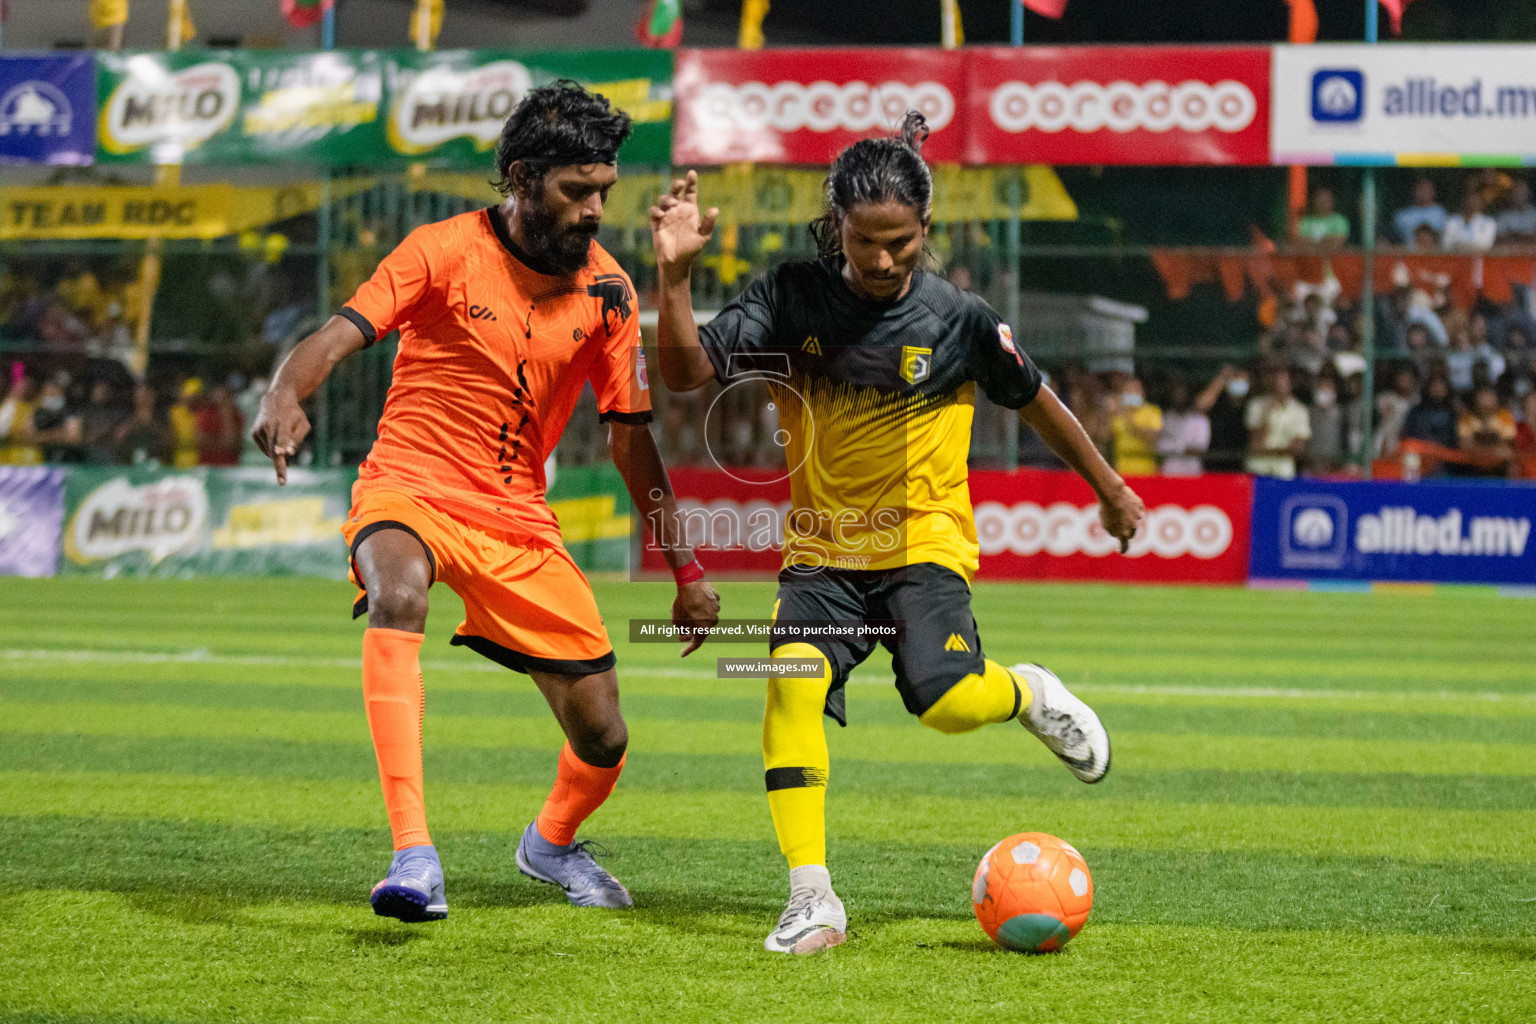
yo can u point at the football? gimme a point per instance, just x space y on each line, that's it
1032 892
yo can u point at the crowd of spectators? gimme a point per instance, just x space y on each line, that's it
110 419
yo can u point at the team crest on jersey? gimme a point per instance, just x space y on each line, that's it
916 364
1005 339
618 298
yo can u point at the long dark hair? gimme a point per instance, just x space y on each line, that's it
876 171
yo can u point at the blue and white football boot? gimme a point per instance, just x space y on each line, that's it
413 890
572 868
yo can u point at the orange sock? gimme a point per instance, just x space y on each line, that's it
579 790
396 702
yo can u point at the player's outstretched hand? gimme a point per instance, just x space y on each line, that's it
678 230
281 427
1122 512
695 612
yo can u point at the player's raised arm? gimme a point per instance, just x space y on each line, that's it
281 425
679 233
1120 509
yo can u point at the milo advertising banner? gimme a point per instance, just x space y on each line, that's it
367 107
201 522
451 104
238 106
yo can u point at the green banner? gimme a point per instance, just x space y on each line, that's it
594 512
366 107
205 522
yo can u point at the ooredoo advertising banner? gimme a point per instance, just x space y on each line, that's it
31 509
1030 525
1427 105
1118 105
1410 533
47 109
803 106
1044 525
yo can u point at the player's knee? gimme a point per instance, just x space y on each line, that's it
800 691
957 710
398 606
601 744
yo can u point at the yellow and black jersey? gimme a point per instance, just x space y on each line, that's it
874 404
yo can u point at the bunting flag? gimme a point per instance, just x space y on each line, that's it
750 34
304 13
426 23
661 24
1395 12
1303 21
1047 8
951 32
107 13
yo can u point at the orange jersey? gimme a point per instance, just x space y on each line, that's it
493 356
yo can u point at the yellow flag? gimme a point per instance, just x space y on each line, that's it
750 36
106 13
426 23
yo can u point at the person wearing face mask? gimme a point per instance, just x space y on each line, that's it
1137 423
1223 400
54 428
1325 448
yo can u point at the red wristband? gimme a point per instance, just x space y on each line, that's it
690 573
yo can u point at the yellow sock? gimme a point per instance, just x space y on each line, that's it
795 759
997 694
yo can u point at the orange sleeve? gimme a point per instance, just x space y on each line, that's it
619 374
400 284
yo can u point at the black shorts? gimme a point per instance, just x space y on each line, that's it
937 645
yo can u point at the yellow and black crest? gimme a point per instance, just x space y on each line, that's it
916 364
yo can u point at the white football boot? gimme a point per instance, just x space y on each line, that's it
1064 724
814 919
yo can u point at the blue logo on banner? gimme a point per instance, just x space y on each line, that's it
1429 533
48 109
1338 95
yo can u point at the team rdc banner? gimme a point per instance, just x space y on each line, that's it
365 107
47 109
1031 525
1411 533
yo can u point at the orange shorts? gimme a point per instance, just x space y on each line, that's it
528 608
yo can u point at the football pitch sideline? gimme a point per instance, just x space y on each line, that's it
1322 808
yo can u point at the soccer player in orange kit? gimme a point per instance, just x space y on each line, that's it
504 314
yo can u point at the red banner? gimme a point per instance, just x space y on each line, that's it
802 106
1032 525
1117 105
1044 525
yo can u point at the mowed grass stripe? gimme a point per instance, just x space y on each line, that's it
1416 834
743 773
243 866
1006 744
868 706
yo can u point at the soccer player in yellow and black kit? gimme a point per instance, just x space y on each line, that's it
873 367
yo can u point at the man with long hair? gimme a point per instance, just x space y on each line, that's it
504 314
873 366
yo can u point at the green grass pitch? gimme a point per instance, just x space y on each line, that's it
1321 810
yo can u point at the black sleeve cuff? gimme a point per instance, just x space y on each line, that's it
370 336
632 418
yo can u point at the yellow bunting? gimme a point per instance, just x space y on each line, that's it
107 13
750 35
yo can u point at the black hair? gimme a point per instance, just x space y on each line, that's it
556 124
876 171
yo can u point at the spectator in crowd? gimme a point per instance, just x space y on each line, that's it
1325 446
1434 418
1224 400
1278 429
183 422
55 427
1136 423
1517 222
1398 311
1466 355
219 428
1085 397
1352 406
1426 212
1487 433
99 421
248 398
1425 239
1186 433
1519 359
1392 407
1471 230
16 447
1525 434
142 439
1323 226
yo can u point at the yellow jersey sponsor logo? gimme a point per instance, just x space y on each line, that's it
956 642
812 344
